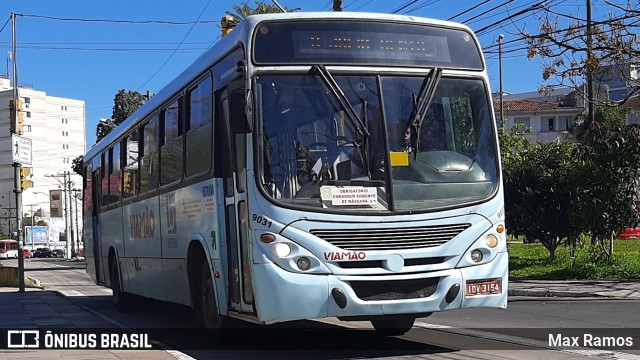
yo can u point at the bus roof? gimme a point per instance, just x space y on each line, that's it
240 34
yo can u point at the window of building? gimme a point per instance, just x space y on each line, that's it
548 123
565 123
525 123
26 128
27 114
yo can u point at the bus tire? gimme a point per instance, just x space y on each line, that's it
207 309
393 326
122 300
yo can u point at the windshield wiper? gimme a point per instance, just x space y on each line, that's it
422 103
335 89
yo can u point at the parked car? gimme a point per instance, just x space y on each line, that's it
43 252
57 253
26 253
630 233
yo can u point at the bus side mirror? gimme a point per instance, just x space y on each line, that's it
240 122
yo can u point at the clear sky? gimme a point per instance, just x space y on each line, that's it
63 51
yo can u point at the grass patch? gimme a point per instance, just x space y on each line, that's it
532 261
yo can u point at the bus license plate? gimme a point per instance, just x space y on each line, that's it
484 287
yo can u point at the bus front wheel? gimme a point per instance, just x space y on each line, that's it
208 316
393 326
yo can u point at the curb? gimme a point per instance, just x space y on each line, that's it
551 294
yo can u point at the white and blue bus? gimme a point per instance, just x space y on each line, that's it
308 165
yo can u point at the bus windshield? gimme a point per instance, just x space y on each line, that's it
366 144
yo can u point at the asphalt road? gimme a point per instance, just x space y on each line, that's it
520 332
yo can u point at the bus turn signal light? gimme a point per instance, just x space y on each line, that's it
267 238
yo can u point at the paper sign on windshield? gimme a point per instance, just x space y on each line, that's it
354 196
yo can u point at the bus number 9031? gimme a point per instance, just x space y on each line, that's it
261 220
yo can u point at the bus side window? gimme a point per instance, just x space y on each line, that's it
131 171
104 176
171 143
114 174
149 156
87 198
198 137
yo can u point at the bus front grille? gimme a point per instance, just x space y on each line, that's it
391 239
394 289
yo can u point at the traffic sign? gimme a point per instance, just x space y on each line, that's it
21 149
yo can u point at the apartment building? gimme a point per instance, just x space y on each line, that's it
546 121
56 127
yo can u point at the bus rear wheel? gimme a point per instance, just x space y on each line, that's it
207 310
122 300
393 326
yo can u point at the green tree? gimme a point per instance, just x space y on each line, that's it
76 165
125 104
241 12
607 166
536 185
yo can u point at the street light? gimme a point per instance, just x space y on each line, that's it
500 37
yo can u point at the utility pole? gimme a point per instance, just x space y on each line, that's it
72 238
502 122
589 66
75 199
66 213
17 166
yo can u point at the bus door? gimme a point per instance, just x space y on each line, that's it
234 155
95 222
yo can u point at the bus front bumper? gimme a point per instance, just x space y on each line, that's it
283 296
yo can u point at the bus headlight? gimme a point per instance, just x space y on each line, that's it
476 256
492 241
282 250
286 253
304 263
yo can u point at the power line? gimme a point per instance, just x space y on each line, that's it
143 50
531 8
176 49
162 22
488 11
363 5
469 9
5 24
420 7
402 7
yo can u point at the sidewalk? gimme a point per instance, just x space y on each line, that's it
575 288
40 309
